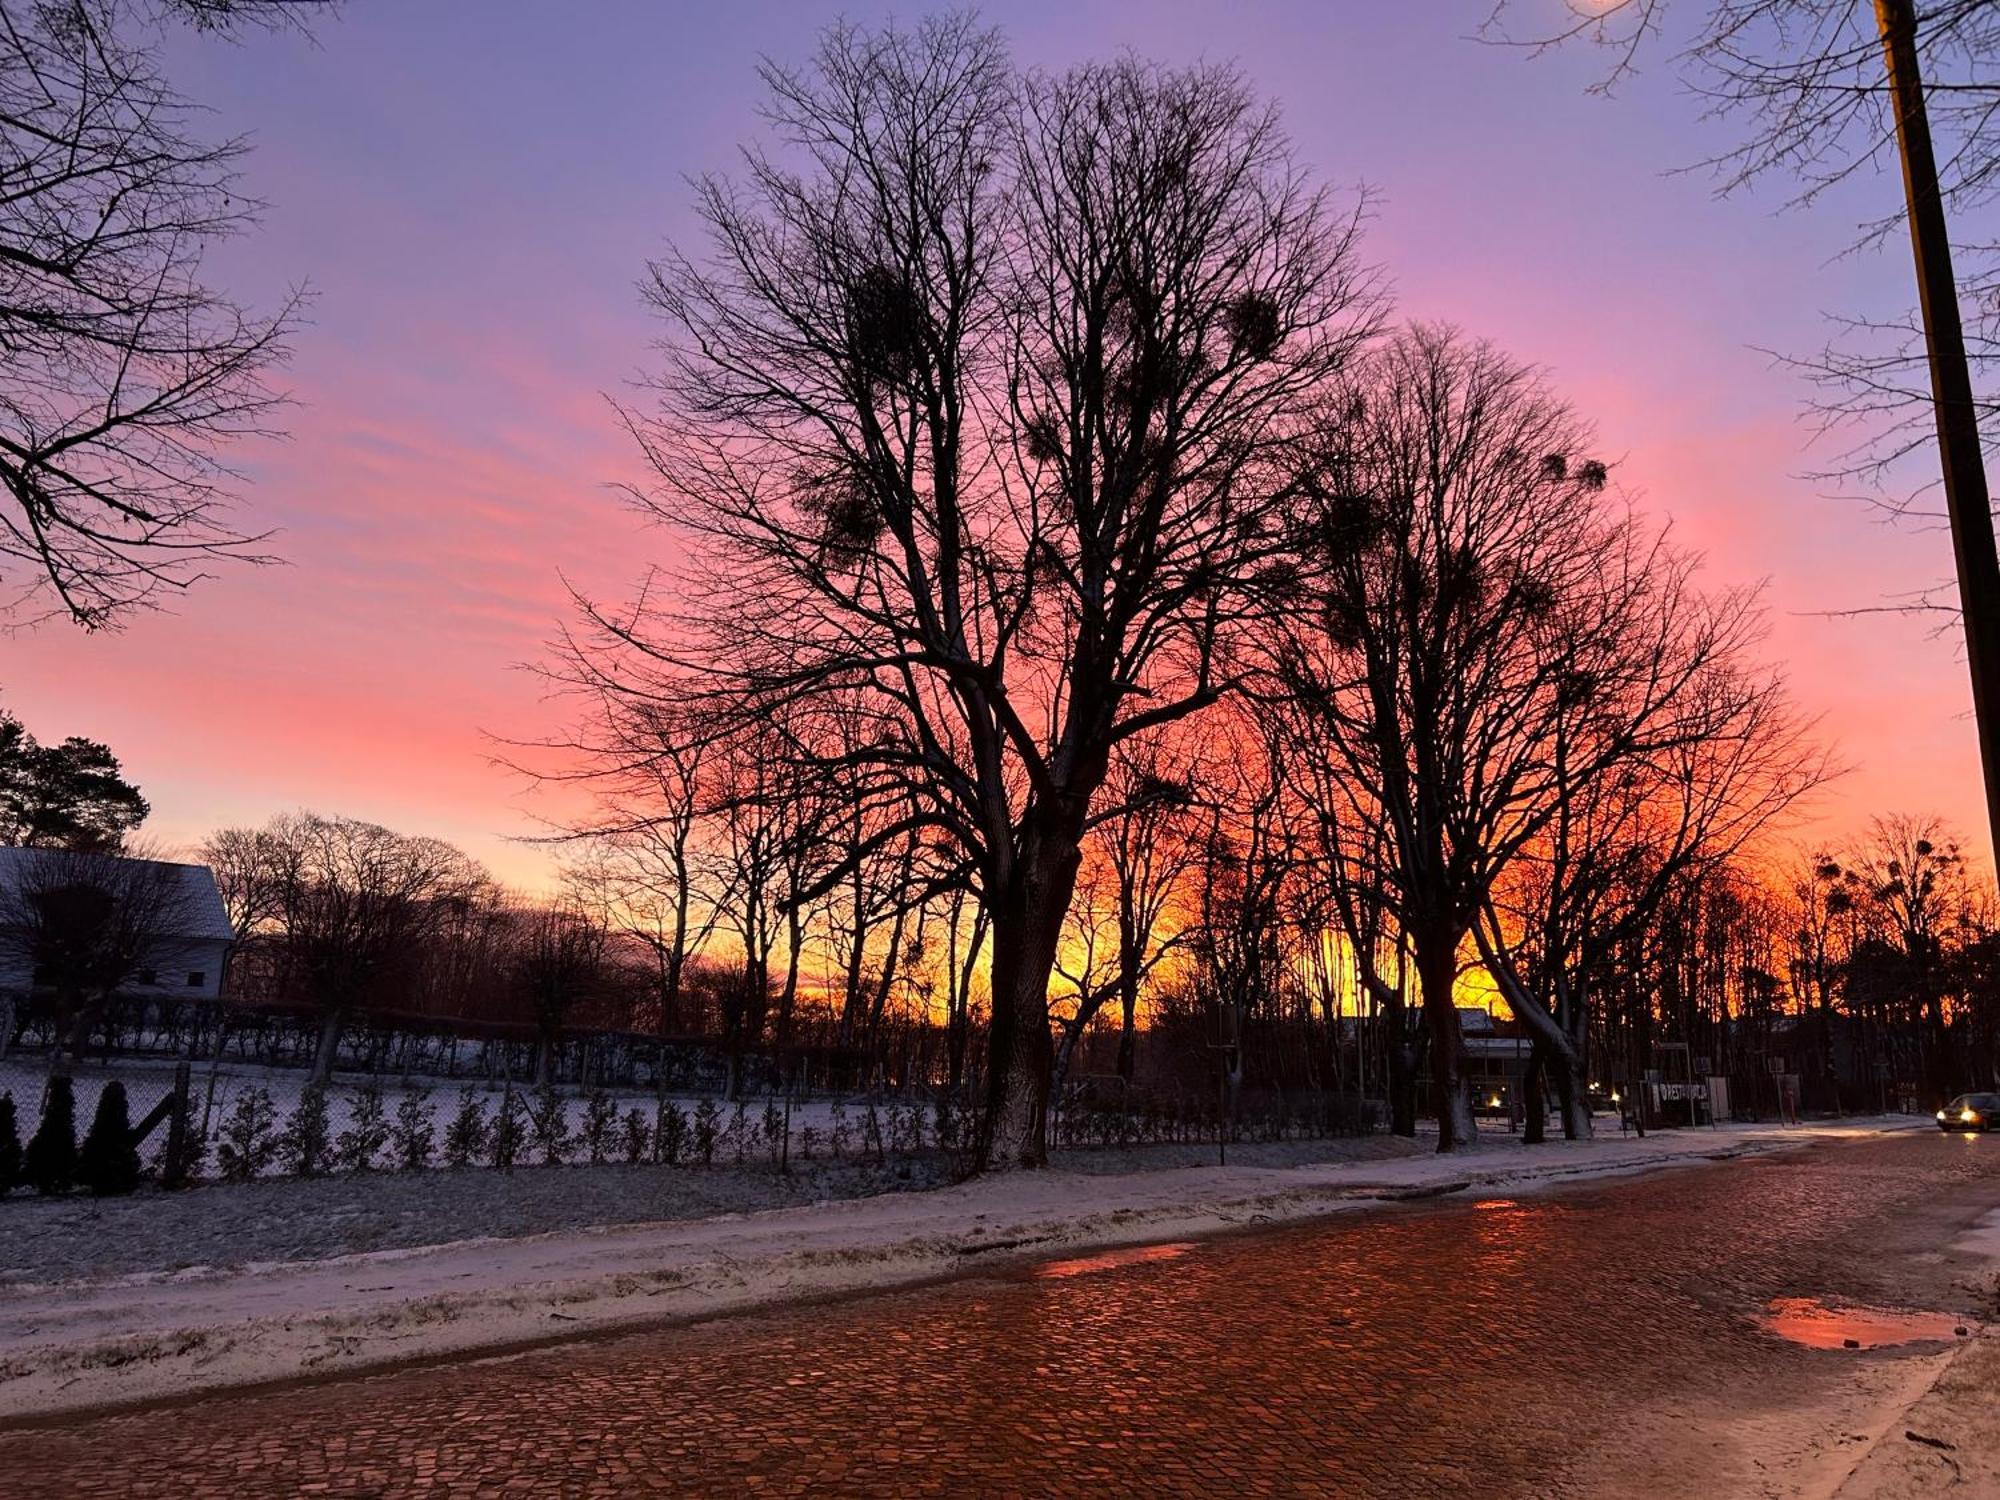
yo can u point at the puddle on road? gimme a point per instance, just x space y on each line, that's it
1814 1324
1111 1260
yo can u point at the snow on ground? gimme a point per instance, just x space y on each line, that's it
134 1337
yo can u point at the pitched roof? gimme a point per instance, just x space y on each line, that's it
197 909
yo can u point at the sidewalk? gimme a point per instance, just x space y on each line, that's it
1948 1439
90 1344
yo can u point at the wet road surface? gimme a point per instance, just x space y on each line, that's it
1424 1350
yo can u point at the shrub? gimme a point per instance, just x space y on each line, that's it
50 1160
871 1131
707 1129
739 1130
638 1137
672 1137
246 1144
465 1135
945 1123
774 1131
549 1117
413 1138
510 1129
10 1146
808 1140
109 1161
305 1145
840 1137
367 1132
600 1119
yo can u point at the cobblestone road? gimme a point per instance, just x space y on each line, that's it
1427 1350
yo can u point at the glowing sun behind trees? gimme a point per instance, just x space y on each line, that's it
976 421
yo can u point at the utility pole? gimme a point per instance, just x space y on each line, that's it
1964 468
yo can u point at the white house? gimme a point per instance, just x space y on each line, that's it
182 931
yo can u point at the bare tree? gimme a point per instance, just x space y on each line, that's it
248 865
636 860
1122 923
1644 795
1471 575
356 907
124 374
558 959
1829 89
973 412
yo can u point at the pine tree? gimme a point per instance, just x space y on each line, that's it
10 1147
109 1161
50 1161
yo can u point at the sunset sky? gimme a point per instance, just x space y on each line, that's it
472 190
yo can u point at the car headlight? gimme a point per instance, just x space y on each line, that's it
1940 1114
1968 1115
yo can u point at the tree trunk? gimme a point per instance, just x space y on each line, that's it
1437 978
329 1043
1401 1061
1128 1007
1027 925
1534 1102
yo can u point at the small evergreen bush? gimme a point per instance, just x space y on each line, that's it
109 1162
367 1134
10 1147
509 1132
739 1130
465 1135
50 1160
549 1117
672 1141
774 1131
305 1145
413 1138
637 1137
707 1130
600 1119
246 1144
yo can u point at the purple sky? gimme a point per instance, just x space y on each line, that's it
472 190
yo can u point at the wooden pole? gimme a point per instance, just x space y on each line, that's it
1963 466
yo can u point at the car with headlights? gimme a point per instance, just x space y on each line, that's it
1971 1112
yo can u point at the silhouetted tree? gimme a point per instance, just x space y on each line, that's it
974 411
125 373
72 795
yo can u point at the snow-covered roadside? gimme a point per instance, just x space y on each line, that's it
137 1338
